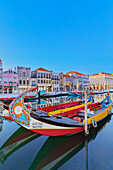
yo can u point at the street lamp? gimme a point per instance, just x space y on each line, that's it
27 82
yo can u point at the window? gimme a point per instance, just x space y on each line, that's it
41 81
49 76
44 81
33 83
5 79
46 75
38 81
10 71
41 75
10 79
38 74
20 74
14 79
20 82
24 82
23 74
27 74
27 82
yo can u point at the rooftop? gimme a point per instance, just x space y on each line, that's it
76 73
103 73
42 69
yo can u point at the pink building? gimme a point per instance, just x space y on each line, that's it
10 79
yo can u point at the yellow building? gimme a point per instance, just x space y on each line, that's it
101 81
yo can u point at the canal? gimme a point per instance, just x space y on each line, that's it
21 149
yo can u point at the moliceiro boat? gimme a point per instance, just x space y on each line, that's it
60 109
57 125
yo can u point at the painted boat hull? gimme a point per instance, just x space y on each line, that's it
58 132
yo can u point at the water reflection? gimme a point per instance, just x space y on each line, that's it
58 150
59 100
54 152
1 123
17 140
53 101
100 97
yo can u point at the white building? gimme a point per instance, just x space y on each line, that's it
55 82
42 79
24 77
101 81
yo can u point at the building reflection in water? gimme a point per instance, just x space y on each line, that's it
52 101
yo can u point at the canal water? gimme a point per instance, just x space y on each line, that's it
21 149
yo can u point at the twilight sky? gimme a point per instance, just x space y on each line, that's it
59 35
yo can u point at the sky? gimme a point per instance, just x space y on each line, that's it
58 35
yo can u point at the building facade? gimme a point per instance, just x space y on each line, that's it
101 81
1 74
67 82
81 81
24 77
55 82
72 81
10 79
42 78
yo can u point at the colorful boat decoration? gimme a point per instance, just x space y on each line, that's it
17 140
4 108
40 122
58 150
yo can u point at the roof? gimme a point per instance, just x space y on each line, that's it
76 73
0 60
42 69
101 73
66 75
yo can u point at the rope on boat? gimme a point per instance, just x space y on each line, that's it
94 123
